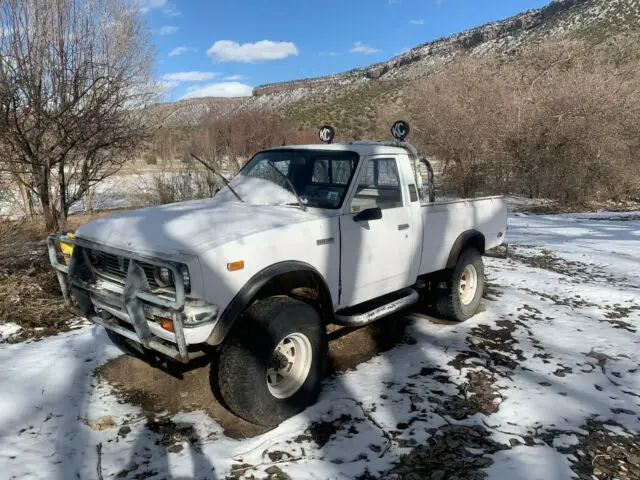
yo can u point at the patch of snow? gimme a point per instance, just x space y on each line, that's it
565 441
8 329
530 463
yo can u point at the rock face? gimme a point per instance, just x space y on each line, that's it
445 47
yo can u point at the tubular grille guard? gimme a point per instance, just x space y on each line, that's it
136 293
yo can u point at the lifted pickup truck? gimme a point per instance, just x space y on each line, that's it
302 237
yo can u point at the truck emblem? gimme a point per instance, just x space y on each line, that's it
400 130
326 134
325 241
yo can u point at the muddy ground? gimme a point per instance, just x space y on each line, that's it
157 391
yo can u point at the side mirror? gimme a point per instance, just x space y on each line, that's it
368 214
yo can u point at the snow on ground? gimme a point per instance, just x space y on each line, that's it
512 393
8 330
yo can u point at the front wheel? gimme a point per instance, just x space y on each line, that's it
272 364
460 290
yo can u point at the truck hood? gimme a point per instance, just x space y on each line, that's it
190 227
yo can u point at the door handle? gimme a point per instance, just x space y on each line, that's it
404 226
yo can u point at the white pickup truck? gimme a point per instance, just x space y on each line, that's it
302 237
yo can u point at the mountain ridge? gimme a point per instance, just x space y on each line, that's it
461 41
593 19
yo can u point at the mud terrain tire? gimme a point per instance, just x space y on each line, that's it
243 376
452 301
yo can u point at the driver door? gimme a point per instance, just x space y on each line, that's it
376 253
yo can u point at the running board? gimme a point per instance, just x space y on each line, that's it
355 317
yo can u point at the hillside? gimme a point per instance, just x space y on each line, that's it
347 98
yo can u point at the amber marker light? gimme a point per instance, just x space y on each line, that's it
234 266
167 324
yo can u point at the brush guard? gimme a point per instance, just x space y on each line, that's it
76 283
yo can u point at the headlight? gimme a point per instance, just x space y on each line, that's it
187 279
163 276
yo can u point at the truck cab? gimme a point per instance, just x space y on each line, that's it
302 237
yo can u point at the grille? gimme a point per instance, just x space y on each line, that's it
115 268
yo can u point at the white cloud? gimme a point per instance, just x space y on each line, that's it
145 6
393 2
360 47
222 89
171 11
180 50
264 50
417 22
167 30
329 54
189 76
235 78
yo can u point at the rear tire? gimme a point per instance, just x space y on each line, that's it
459 290
272 363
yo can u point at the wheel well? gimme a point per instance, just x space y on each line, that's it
303 285
470 238
294 279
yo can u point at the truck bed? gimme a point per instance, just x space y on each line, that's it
444 221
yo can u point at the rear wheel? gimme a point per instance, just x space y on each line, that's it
459 291
272 364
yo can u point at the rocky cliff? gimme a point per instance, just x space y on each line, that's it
508 30
591 18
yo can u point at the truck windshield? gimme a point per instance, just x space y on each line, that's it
320 178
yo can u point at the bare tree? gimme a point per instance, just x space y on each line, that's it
74 78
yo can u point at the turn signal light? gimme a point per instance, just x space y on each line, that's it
167 324
234 266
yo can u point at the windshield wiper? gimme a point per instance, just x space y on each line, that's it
226 182
304 209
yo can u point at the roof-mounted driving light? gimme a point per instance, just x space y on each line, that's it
400 130
326 134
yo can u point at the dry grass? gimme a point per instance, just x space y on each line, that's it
30 296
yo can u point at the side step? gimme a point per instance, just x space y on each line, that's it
368 312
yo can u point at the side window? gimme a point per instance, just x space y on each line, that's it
321 171
334 171
379 186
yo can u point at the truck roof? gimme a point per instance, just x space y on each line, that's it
360 147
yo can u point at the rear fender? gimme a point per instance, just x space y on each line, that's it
469 238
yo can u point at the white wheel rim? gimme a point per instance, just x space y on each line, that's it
289 365
468 284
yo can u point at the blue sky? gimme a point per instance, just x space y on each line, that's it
224 48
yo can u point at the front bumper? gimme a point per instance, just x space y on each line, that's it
128 309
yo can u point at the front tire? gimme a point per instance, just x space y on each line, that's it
459 291
272 364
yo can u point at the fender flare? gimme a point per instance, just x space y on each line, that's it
248 292
468 237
